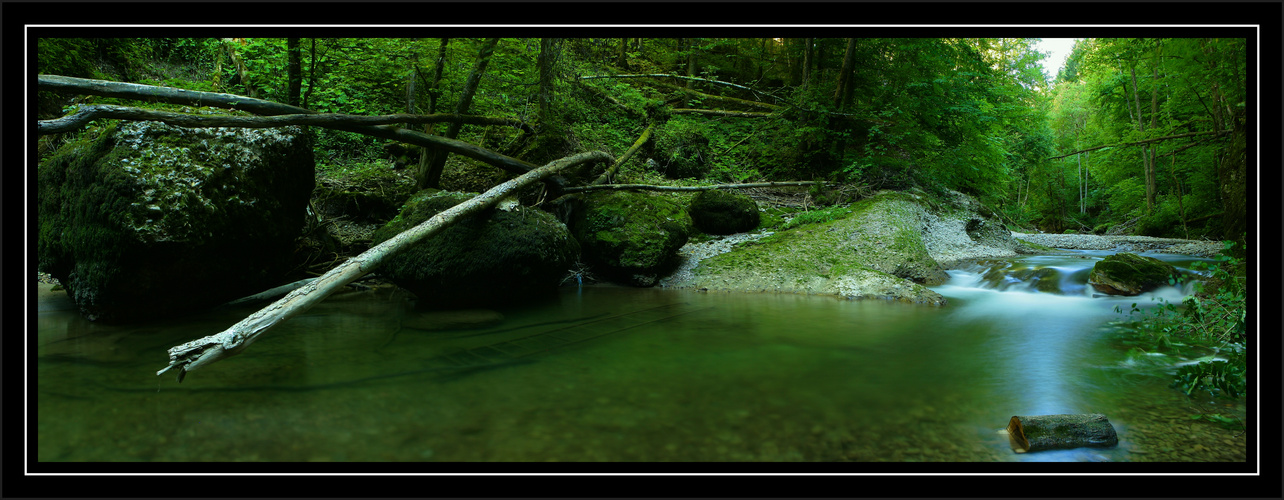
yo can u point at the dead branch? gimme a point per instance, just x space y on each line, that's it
651 187
234 340
87 114
1146 141
70 85
721 112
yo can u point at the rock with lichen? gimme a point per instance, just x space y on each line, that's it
141 219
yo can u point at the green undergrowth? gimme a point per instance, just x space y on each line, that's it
1214 320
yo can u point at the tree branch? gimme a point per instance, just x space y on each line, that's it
70 85
720 112
1146 141
197 353
87 114
651 187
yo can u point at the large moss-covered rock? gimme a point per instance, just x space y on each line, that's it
874 251
1130 274
491 257
142 220
629 237
723 212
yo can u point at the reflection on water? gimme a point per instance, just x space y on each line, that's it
618 374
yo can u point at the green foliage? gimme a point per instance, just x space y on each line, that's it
1214 317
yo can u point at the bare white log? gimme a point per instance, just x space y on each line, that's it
234 340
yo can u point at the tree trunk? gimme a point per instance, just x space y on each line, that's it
1052 432
691 61
807 61
294 72
426 155
548 48
432 177
312 71
844 76
1145 160
234 340
1181 210
621 59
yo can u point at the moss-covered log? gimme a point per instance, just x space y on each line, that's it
1055 432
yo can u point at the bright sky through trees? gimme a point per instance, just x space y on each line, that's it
1059 49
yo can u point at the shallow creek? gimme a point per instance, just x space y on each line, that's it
620 374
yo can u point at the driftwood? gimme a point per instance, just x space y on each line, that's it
652 187
1052 432
203 351
70 85
87 114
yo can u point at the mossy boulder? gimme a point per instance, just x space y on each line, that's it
1131 274
723 212
629 237
875 251
142 220
489 258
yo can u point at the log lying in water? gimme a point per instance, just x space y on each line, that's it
1053 432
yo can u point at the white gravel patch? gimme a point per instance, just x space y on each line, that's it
693 253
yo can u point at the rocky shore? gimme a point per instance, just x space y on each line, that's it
1199 248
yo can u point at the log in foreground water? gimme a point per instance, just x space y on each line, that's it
1054 432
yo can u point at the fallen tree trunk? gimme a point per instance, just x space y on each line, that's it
720 112
1145 141
203 351
1052 432
70 85
651 187
610 172
87 114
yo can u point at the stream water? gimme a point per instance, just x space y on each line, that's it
622 374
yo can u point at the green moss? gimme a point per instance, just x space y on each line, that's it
632 236
877 235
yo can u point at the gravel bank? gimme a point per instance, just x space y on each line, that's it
1200 248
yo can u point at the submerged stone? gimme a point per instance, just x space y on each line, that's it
491 257
142 219
1131 274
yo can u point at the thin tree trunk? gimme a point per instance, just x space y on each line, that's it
238 337
807 63
438 162
426 156
1141 127
294 71
1181 210
312 71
